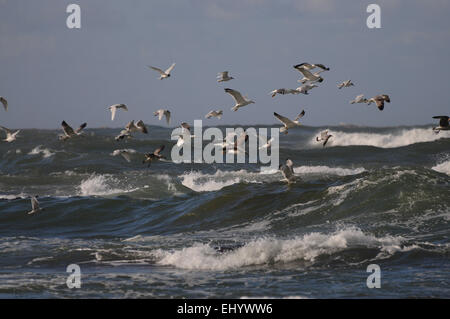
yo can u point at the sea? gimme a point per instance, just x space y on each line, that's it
367 217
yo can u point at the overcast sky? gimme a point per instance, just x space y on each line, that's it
50 73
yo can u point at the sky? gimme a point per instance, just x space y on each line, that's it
51 73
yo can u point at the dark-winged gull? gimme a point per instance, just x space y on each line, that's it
4 102
444 123
288 171
324 137
379 101
69 132
287 122
239 99
156 155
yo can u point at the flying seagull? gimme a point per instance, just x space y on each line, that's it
125 153
136 127
224 77
305 88
324 137
35 206
4 102
444 124
288 171
10 136
115 107
164 74
309 66
239 99
379 100
217 114
359 99
307 75
124 134
267 144
156 155
239 144
284 92
162 113
345 84
287 122
69 132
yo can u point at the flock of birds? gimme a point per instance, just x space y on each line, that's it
309 81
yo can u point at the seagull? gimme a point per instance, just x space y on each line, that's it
115 107
123 134
267 144
180 141
306 87
10 136
345 84
237 147
288 123
69 132
309 66
224 77
164 74
359 99
156 155
35 207
379 100
307 75
283 92
217 114
324 137
126 154
136 127
288 171
162 113
444 124
239 99
4 102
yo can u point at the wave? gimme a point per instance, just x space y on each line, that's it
265 251
443 167
399 138
46 153
101 185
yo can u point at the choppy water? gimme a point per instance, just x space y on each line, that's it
374 196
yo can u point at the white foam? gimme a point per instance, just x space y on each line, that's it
200 182
400 138
443 167
328 170
98 185
265 251
46 153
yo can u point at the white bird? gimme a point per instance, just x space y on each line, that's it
180 141
136 127
35 206
239 99
309 66
217 114
307 75
267 144
288 123
115 107
444 123
125 153
4 102
305 88
69 132
124 134
164 74
238 146
224 77
324 137
359 99
10 136
284 92
288 171
162 113
345 84
379 101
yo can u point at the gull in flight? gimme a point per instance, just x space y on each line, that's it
115 107
10 136
324 137
136 127
4 102
307 75
155 156
185 127
288 123
267 144
288 171
162 113
217 114
239 99
359 99
379 100
224 77
444 124
35 206
309 66
284 92
305 88
238 146
164 74
345 84
125 153
69 132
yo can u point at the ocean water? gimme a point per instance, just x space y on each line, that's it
372 196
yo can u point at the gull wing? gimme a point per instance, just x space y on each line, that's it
284 120
157 70
159 150
306 73
237 96
170 69
82 127
444 120
7 131
300 115
113 110
323 67
4 102
168 115
126 156
34 204
141 126
68 130
186 126
130 126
